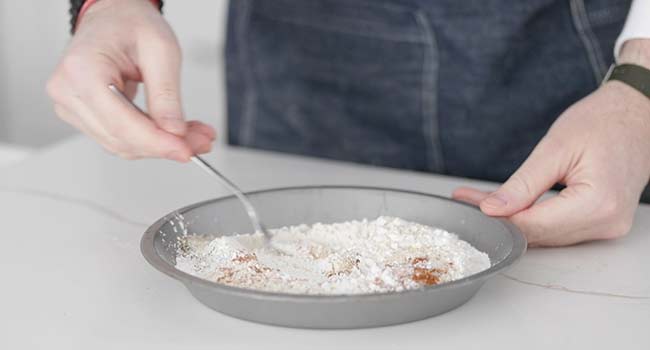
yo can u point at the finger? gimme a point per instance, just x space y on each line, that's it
543 168
74 84
71 118
469 195
160 63
134 129
90 121
79 115
561 220
199 143
199 137
78 122
552 222
205 129
130 89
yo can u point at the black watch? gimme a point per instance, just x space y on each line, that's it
635 76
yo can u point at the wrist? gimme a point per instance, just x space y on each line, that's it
91 5
636 51
635 106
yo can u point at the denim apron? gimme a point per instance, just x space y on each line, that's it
458 87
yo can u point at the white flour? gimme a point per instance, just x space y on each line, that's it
354 257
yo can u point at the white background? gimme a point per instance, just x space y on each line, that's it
33 34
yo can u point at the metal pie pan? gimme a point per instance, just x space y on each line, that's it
501 240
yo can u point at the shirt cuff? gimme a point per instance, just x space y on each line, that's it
637 25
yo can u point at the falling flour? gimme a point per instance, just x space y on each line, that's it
354 257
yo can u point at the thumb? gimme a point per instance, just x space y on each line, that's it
537 174
160 65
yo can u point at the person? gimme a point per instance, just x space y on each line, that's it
495 90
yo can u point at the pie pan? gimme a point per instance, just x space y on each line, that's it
501 240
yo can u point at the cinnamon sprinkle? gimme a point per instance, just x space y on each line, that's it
428 277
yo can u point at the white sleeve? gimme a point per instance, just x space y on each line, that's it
637 25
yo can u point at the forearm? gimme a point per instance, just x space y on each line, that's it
637 52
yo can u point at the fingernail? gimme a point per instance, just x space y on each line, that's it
177 156
173 125
495 200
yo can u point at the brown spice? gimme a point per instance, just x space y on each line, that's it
427 277
244 258
227 276
419 260
260 269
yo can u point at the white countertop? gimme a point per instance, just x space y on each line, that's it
73 277
10 154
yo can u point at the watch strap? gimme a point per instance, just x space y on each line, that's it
631 74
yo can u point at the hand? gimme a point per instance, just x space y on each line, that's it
124 42
600 149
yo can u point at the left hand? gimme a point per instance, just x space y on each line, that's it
600 150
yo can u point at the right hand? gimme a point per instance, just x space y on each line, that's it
124 42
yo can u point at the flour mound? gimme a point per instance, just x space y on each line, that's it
353 257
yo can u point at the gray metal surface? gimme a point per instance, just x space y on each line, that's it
288 206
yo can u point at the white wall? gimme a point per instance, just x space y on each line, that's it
34 33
